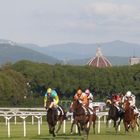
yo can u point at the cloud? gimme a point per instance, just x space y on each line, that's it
110 9
63 21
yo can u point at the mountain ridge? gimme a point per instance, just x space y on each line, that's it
13 53
72 50
118 52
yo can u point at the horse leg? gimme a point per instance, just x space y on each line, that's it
126 126
93 127
133 124
89 123
107 121
86 129
136 121
116 126
49 128
82 126
94 122
59 125
78 126
71 129
114 123
53 131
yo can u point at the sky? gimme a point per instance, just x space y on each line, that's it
47 22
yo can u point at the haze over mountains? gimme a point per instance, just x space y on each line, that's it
12 52
118 52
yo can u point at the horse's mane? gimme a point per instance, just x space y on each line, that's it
77 107
48 102
50 99
126 104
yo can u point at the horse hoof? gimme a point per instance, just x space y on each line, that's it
79 134
54 135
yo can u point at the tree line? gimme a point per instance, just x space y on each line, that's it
24 83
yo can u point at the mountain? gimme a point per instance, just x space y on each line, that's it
11 52
118 52
70 51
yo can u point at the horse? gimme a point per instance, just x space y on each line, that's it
82 117
53 117
130 118
115 115
94 117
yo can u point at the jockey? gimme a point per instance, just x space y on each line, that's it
81 96
53 94
116 100
132 100
90 100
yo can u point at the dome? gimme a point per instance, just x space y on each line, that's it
100 60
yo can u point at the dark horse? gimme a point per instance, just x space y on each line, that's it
115 115
130 118
53 117
82 117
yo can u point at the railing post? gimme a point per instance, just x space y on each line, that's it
64 126
99 124
8 124
32 119
39 122
24 124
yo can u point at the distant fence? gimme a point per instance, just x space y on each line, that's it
23 113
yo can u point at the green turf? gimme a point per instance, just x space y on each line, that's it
32 133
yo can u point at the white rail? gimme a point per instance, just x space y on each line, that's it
38 113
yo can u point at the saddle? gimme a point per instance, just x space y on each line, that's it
86 110
60 111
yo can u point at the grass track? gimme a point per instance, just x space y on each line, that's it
32 131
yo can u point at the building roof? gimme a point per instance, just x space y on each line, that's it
100 60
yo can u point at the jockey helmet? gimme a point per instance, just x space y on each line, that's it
108 101
128 93
87 91
49 90
79 92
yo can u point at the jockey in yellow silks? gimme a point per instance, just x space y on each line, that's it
53 94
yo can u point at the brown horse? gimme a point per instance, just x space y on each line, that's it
94 117
53 117
82 117
130 119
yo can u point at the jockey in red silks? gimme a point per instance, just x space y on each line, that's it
132 100
117 100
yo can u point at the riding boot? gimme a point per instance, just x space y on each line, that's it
57 111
